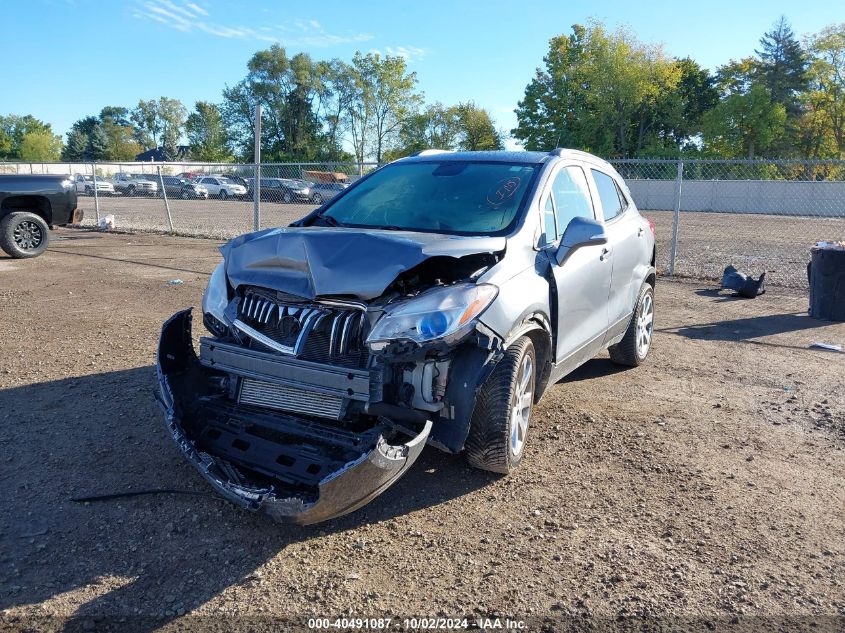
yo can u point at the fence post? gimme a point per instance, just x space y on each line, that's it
96 196
679 181
166 201
256 185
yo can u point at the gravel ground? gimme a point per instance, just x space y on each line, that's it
778 245
705 486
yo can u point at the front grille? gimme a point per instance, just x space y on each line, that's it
284 398
312 331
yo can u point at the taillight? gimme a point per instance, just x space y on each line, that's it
651 226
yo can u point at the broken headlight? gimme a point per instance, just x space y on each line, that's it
215 299
444 313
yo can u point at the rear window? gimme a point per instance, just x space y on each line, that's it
459 197
609 195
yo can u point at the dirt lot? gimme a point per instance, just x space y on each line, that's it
706 485
754 243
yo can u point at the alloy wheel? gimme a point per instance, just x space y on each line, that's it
28 235
523 399
645 325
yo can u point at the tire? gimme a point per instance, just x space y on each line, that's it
223 194
499 425
318 199
184 194
23 234
130 191
634 347
287 198
88 191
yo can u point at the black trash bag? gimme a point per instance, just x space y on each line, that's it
742 284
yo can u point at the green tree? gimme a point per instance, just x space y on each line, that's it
40 145
381 95
239 118
602 91
828 77
436 126
782 67
206 134
98 143
76 148
744 124
476 129
14 128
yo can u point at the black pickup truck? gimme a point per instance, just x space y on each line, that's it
30 206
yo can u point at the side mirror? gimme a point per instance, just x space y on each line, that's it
580 232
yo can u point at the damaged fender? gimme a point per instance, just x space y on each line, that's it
343 490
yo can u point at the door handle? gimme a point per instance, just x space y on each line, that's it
605 254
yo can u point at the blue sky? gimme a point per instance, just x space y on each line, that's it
65 59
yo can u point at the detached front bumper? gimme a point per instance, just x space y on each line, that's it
356 467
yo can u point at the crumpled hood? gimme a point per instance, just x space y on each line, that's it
314 262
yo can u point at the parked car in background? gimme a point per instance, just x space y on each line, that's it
135 184
433 302
282 190
222 187
322 191
29 206
176 187
85 185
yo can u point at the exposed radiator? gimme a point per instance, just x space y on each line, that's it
284 398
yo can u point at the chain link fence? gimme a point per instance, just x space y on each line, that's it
757 215
760 216
204 200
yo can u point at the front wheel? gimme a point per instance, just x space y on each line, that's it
499 426
23 234
318 199
287 198
223 195
635 345
130 191
185 194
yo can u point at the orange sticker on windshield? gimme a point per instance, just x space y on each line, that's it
503 191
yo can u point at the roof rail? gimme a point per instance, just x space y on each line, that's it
430 152
562 151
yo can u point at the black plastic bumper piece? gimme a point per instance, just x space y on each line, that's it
294 470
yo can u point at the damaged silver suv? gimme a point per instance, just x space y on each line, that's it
432 302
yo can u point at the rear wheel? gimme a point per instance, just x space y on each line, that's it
499 426
23 234
635 345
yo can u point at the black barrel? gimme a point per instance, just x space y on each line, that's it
827 284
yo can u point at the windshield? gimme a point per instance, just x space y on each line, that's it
447 196
226 181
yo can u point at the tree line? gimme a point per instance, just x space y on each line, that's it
311 111
609 93
598 90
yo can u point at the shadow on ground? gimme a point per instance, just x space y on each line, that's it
104 434
747 330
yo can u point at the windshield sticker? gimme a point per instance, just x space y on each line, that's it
503 191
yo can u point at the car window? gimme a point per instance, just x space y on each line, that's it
571 197
609 195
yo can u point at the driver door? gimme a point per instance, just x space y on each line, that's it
582 282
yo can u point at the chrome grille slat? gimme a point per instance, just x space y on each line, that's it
285 398
327 331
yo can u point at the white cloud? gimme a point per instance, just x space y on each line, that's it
409 53
191 17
